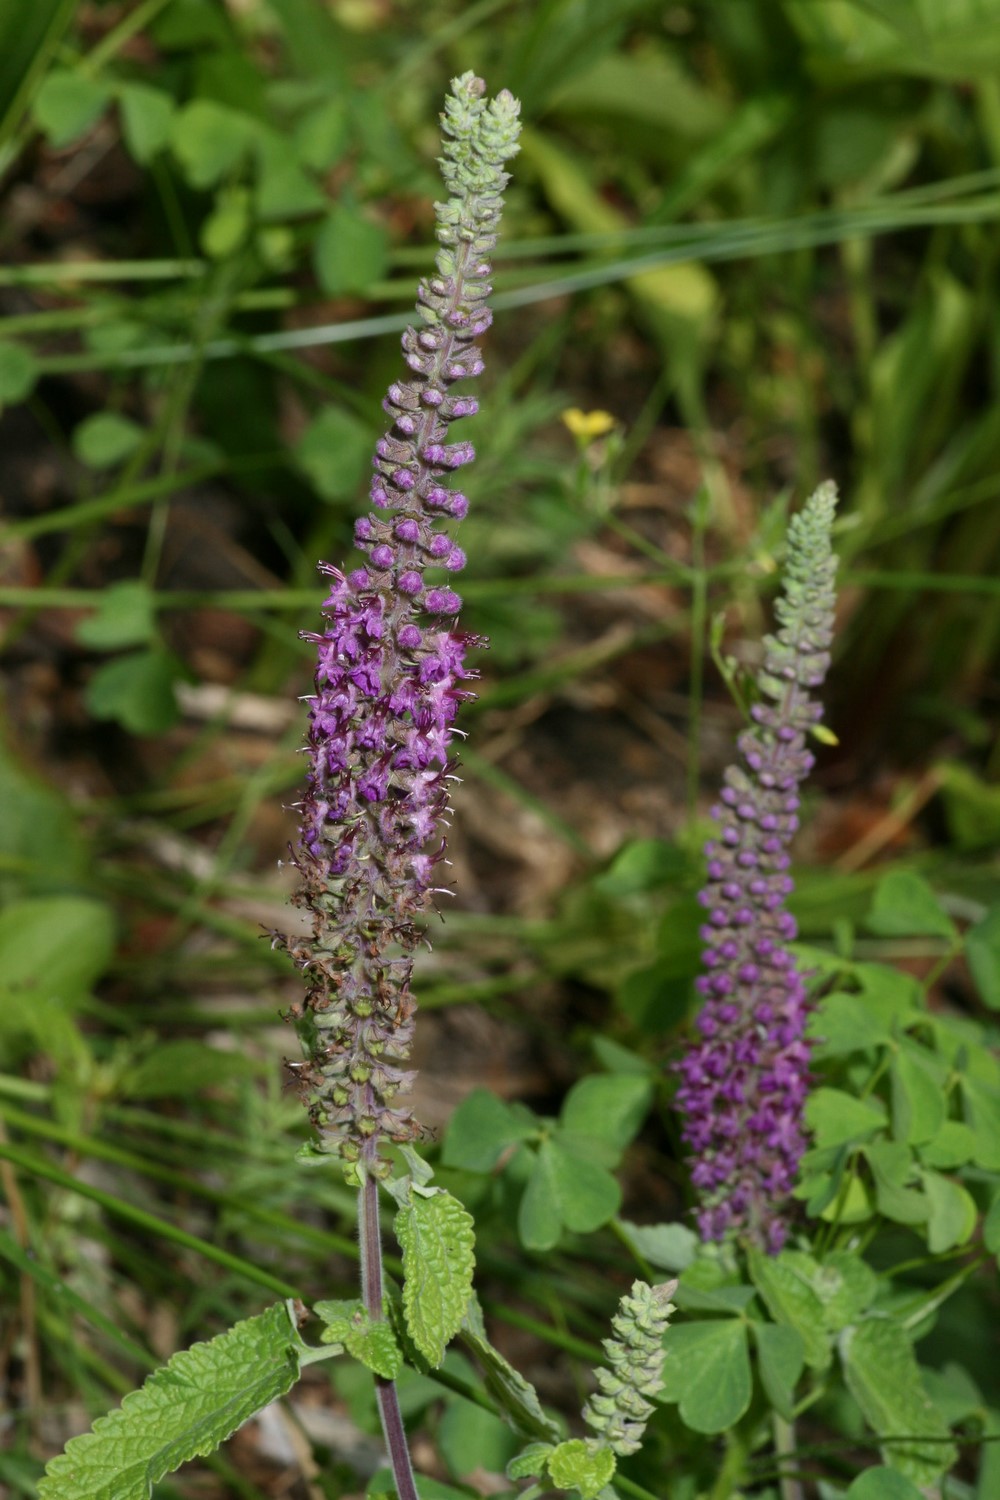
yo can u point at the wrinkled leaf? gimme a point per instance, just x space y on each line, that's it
183 1411
438 1243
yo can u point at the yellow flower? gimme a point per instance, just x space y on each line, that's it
587 425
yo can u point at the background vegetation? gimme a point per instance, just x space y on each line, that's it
762 237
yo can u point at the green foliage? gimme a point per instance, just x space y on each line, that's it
786 169
350 1328
335 452
67 104
516 1398
438 1242
570 1185
19 372
581 1464
707 1372
103 440
905 905
188 1408
137 690
883 1376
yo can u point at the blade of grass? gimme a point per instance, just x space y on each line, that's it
37 1167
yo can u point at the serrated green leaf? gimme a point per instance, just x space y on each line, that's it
785 1282
780 1358
952 1213
514 1395
67 104
438 1242
349 1325
530 1462
125 616
608 1107
582 1464
845 1285
883 1376
147 115
707 1371
183 1411
905 906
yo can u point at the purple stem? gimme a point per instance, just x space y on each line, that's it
385 1390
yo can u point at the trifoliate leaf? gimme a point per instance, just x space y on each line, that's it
884 1378
438 1243
581 1464
183 1411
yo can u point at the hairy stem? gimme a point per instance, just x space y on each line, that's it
371 1292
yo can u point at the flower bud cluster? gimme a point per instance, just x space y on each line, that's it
744 1081
390 677
619 1411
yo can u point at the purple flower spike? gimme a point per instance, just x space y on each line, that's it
390 678
744 1082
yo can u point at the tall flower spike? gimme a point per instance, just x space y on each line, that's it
390 677
744 1083
619 1411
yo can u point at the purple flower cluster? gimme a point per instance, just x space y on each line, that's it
390 677
745 1081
